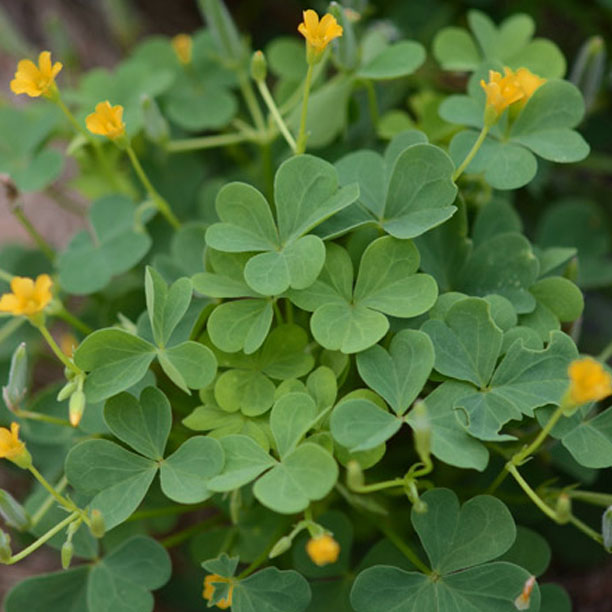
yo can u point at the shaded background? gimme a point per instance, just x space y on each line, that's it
89 33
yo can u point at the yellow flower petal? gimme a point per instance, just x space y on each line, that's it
318 34
36 80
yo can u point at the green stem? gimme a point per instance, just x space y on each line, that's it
162 206
44 507
40 242
43 539
606 353
403 547
586 529
37 416
11 326
280 122
535 498
208 142
591 497
58 351
69 318
277 312
263 557
472 153
379 486
301 141
251 100
289 310
52 491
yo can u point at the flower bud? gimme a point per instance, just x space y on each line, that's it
259 66
13 512
66 391
282 546
66 554
564 508
16 388
354 475
5 547
76 407
589 67
523 601
346 50
235 505
323 550
97 527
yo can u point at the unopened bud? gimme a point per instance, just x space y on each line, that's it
76 407
66 391
606 529
421 426
259 66
564 508
523 601
235 505
354 475
16 387
282 546
5 547
66 554
13 512
97 527
589 68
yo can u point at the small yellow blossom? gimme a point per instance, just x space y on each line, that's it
502 91
523 601
323 550
318 34
28 297
107 120
183 45
36 80
12 448
589 382
209 590
528 82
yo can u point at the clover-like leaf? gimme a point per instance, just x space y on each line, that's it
405 193
306 193
394 61
352 321
459 543
90 262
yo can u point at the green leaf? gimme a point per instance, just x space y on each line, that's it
560 296
185 474
386 283
455 538
142 424
285 353
244 461
400 374
115 360
555 599
450 442
122 581
505 265
529 551
249 391
524 380
90 261
240 325
454 48
306 474
190 365
360 425
291 417
467 343
271 590
64 591
590 442
166 306
118 479
397 60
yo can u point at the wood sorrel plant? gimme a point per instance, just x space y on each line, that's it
348 365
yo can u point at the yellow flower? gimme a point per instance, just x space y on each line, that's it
36 80
323 550
28 296
182 45
589 382
12 448
318 34
528 82
209 590
502 91
107 120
